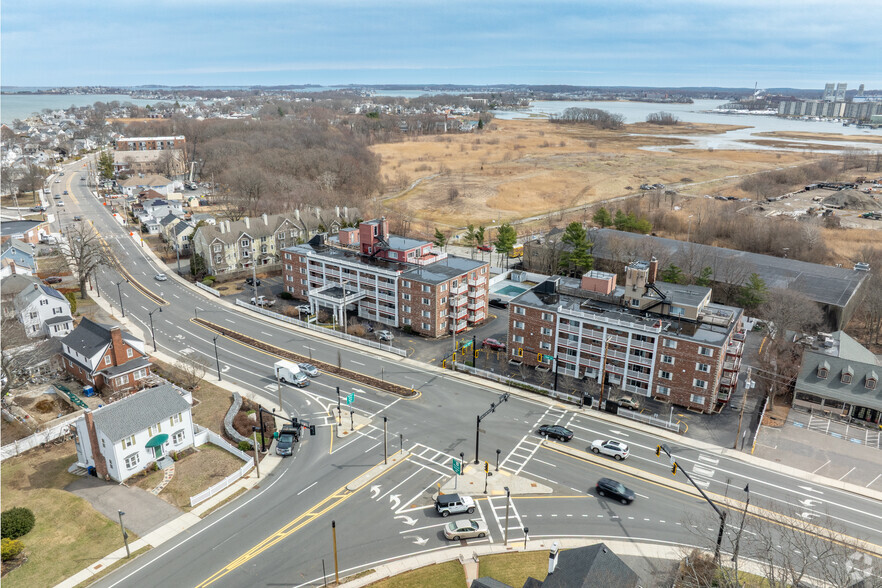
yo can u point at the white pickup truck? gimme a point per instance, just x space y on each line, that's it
263 301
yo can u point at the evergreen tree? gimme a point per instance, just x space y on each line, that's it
105 165
704 278
576 260
506 237
602 218
672 275
752 294
440 240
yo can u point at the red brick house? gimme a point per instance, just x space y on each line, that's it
106 357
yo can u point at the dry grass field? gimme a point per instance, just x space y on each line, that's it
520 168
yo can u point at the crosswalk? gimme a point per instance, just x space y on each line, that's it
529 444
497 506
704 474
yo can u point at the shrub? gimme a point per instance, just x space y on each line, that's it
286 296
10 548
16 522
244 446
407 329
72 298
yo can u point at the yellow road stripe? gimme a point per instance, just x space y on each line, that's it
335 499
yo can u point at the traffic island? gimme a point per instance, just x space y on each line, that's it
472 483
348 422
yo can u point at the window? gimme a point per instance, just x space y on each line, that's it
405 308
442 314
443 325
426 326
218 258
175 419
706 351
33 315
245 242
699 383
547 316
517 339
546 331
519 310
129 353
518 325
107 360
405 296
140 374
406 321
133 460
667 359
178 437
126 443
454 284
847 375
405 284
44 302
426 314
822 372
444 300
546 346
157 428
393 255
426 301
702 367
696 399
665 375
663 390
425 288
670 343
443 288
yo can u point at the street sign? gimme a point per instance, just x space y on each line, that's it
457 467
547 357
466 344
350 398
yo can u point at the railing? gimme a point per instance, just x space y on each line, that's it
202 286
458 300
477 282
649 419
457 313
229 480
329 332
461 289
478 316
37 439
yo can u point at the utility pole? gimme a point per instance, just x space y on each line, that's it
124 534
256 457
507 504
217 358
748 384
385 452
336 566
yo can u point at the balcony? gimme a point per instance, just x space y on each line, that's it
477 316
732 366
461 289
457 313
458 300
476 305
457 327
477 282
475 293
735 348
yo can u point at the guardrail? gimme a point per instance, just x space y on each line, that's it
208 289
650 420
572 399
37 439
229 480
311 327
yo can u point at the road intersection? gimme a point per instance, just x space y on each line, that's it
280 532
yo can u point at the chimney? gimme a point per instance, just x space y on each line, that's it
228 225
265 219
653 270
100 463
552 557
222 228
117 347
346 212
337 211
384 229
297 213
36 287
247 222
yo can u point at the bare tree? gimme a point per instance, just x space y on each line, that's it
191 369
84 252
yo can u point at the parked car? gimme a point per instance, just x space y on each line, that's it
57 196
385 335
613 489
38 209
485 248
251 281
263 301
78 218
465 529
556 432
57 181
53 280
59 203
498 303
304 309
617 449
629 402
160 277
448 504
309 369
493 344
288 436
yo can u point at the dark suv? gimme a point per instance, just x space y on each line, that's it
288 436
609 487
251 281
556 432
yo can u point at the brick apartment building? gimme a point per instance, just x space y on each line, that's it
647 338
150 143
106 357
392 280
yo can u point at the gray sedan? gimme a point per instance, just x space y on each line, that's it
465 529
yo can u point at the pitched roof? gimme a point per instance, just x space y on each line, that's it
28 295
90 337
17 227
257 229
18 245
12 285
593 565
147 180
845 355
168 219
135 413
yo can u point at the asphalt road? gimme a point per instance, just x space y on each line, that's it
280 533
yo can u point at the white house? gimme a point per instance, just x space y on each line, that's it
141 182
43 311
160 208
124 437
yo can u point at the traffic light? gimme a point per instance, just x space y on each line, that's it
312 430
674 468
657 450
476 354
486 466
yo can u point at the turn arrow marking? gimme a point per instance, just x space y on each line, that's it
810 502
407 520
417 540
396 500
808 515
375 490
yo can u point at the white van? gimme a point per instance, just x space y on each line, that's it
290 373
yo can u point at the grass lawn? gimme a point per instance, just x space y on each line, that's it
515 568
193 474
69 534
214 402
446 575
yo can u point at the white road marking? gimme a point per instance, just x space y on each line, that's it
356 362
825 463
848 472
873 480
307 488
545 462
708 459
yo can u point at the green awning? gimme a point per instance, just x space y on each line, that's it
157 441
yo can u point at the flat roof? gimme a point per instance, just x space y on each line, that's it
822 283
441 271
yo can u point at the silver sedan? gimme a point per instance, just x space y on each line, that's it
465 529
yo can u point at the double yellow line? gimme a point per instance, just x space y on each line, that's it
329 503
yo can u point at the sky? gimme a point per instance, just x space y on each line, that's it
672 43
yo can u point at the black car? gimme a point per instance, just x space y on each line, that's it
498 303
555 432
288 436
251 281
613 489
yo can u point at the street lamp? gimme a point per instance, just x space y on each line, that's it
498 451
152 333
741 527
493 405
124 534
119 291
385 453
217 358
507 503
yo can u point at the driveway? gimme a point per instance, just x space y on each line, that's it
143 511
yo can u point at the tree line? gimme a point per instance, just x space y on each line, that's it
590 116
